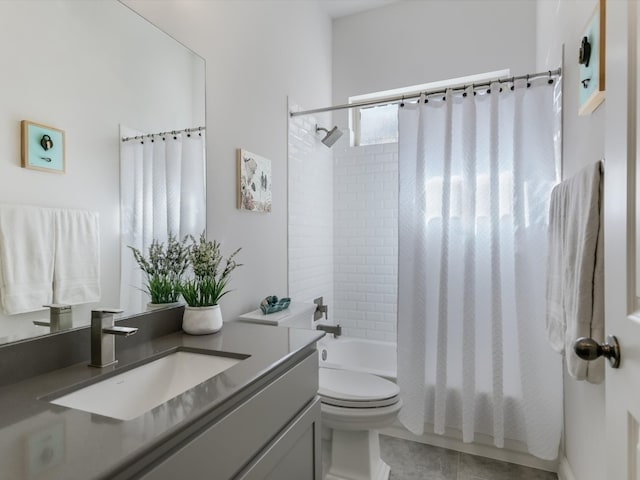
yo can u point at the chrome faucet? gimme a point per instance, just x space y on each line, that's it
59 318
336 330
103 346
322 309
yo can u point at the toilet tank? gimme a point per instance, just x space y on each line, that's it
297 315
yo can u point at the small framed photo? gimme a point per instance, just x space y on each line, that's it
42 147
254 182
591 59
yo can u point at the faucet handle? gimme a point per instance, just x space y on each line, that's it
121 331
101 313
320 309
58 307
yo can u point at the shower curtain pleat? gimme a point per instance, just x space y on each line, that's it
159 190
161 193
174 159
474 188
192 186
496 284
411 240
440 405
468 220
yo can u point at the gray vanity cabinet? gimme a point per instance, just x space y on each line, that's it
274 434
294 454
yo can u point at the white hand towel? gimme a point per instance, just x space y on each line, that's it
26 258
575 269
77 257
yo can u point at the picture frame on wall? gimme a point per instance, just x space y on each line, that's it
254 182
591 59
43 147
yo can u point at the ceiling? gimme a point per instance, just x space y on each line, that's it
342 8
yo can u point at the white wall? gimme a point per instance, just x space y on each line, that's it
560 22
63 67
257 53
415 42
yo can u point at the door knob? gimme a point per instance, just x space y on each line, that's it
589 349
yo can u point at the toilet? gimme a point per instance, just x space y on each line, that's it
354 406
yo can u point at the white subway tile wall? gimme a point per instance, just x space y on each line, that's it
343 230
365 216
310 214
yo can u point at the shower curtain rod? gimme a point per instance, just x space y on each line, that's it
172 132
400 98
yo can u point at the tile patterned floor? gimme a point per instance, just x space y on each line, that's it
415 461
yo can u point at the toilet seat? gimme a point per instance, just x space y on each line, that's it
343 388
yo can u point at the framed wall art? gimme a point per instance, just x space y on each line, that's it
591 59
254 182
42 147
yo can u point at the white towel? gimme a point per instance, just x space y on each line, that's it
26 258
77 257
575 269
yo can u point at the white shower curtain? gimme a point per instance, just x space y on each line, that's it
162 191
475 177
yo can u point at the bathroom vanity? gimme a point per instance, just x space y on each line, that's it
257 419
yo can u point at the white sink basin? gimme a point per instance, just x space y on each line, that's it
136 391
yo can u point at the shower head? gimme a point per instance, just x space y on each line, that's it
331 137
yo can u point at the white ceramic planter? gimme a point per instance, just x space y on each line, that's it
202 320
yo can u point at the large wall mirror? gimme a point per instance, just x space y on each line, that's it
92 70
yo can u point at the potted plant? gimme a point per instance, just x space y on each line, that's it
163 269
208 285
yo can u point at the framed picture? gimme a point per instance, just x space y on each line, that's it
42 147
254 182
592 61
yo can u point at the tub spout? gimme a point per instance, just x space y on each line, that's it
336 330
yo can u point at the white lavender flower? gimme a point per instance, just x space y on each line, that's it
164 268
210 279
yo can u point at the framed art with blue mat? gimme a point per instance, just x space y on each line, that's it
42 147
591 60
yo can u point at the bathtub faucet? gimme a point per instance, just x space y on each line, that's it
321 309
336 330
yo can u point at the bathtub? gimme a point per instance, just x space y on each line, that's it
360 355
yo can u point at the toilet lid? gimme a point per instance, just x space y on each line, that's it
349 388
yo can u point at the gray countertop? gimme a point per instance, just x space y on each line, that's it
42 441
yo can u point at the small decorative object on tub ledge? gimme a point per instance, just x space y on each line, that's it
271 304
208 285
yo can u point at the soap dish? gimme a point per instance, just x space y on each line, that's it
271 304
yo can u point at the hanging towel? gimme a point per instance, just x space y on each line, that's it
76 276
575 269
26 258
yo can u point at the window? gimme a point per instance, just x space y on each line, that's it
379 124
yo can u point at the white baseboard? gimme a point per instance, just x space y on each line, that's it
564 470
481 449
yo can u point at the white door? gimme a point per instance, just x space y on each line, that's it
622 240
